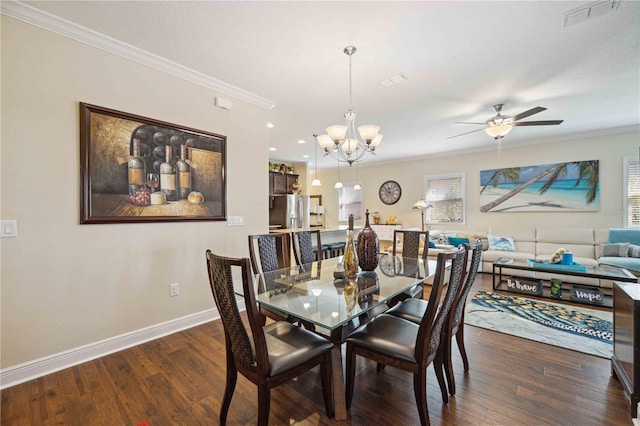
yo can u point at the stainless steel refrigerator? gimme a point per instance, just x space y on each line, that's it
290 211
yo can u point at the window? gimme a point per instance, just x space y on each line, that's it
446 194
631 196
350 201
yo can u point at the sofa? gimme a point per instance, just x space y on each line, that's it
621 250
590 247
541 243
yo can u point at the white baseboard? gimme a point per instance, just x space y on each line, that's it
42 366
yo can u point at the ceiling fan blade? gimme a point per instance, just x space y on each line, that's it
538 123
466 133
469 122
527 113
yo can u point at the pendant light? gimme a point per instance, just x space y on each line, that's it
316 181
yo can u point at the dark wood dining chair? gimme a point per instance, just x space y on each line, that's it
269 252
410 242
396 342
303 248
270 354
414 309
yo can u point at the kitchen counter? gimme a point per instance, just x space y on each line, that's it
330 234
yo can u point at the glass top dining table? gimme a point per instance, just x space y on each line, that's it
335 307
311 293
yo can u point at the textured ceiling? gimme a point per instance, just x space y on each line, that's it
460 59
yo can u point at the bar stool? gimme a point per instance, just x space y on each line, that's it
337 249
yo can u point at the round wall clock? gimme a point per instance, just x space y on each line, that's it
390 192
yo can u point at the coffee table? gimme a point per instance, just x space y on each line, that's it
600 272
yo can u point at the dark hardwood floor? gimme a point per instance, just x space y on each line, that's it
179 379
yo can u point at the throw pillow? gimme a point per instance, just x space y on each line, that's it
501 243
455 241
614 250
442 239
432 245
634 250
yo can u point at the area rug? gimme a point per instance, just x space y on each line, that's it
577 328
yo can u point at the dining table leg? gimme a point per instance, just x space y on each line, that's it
340 404
338 337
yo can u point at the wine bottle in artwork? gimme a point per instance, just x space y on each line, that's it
168 176
137 171
184 174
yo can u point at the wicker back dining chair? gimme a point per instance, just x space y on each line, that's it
455 325
269 355
410 242
413 310
396 342
269 252
303 248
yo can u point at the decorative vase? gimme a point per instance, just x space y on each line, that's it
368 247
350 258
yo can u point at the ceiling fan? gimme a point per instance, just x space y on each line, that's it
498 126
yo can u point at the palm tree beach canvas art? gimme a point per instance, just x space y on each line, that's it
571 186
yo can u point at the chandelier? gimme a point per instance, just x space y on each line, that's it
341 141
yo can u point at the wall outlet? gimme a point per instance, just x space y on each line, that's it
174 289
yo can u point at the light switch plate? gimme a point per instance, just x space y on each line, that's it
9 228
235 221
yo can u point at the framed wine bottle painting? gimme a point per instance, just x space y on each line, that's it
137 169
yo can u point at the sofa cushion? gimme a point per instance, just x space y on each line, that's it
499 243
630 263
493 255
634 251
624 235
614 250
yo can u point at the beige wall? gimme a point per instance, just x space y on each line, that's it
609 150
65 285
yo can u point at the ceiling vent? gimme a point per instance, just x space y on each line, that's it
589 11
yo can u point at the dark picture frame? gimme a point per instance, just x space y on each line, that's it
119 150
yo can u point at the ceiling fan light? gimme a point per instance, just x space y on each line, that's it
325 142
498 131
316 182
368 132
337 132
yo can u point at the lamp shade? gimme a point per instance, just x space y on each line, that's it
349 145
376 141
316 182
325 142
368 132
337 132
338 185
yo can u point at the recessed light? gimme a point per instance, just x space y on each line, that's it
301 141
393 80
270 125
272 149
305 156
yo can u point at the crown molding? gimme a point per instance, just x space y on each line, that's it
55 24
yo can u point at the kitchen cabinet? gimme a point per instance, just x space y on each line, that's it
281 183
